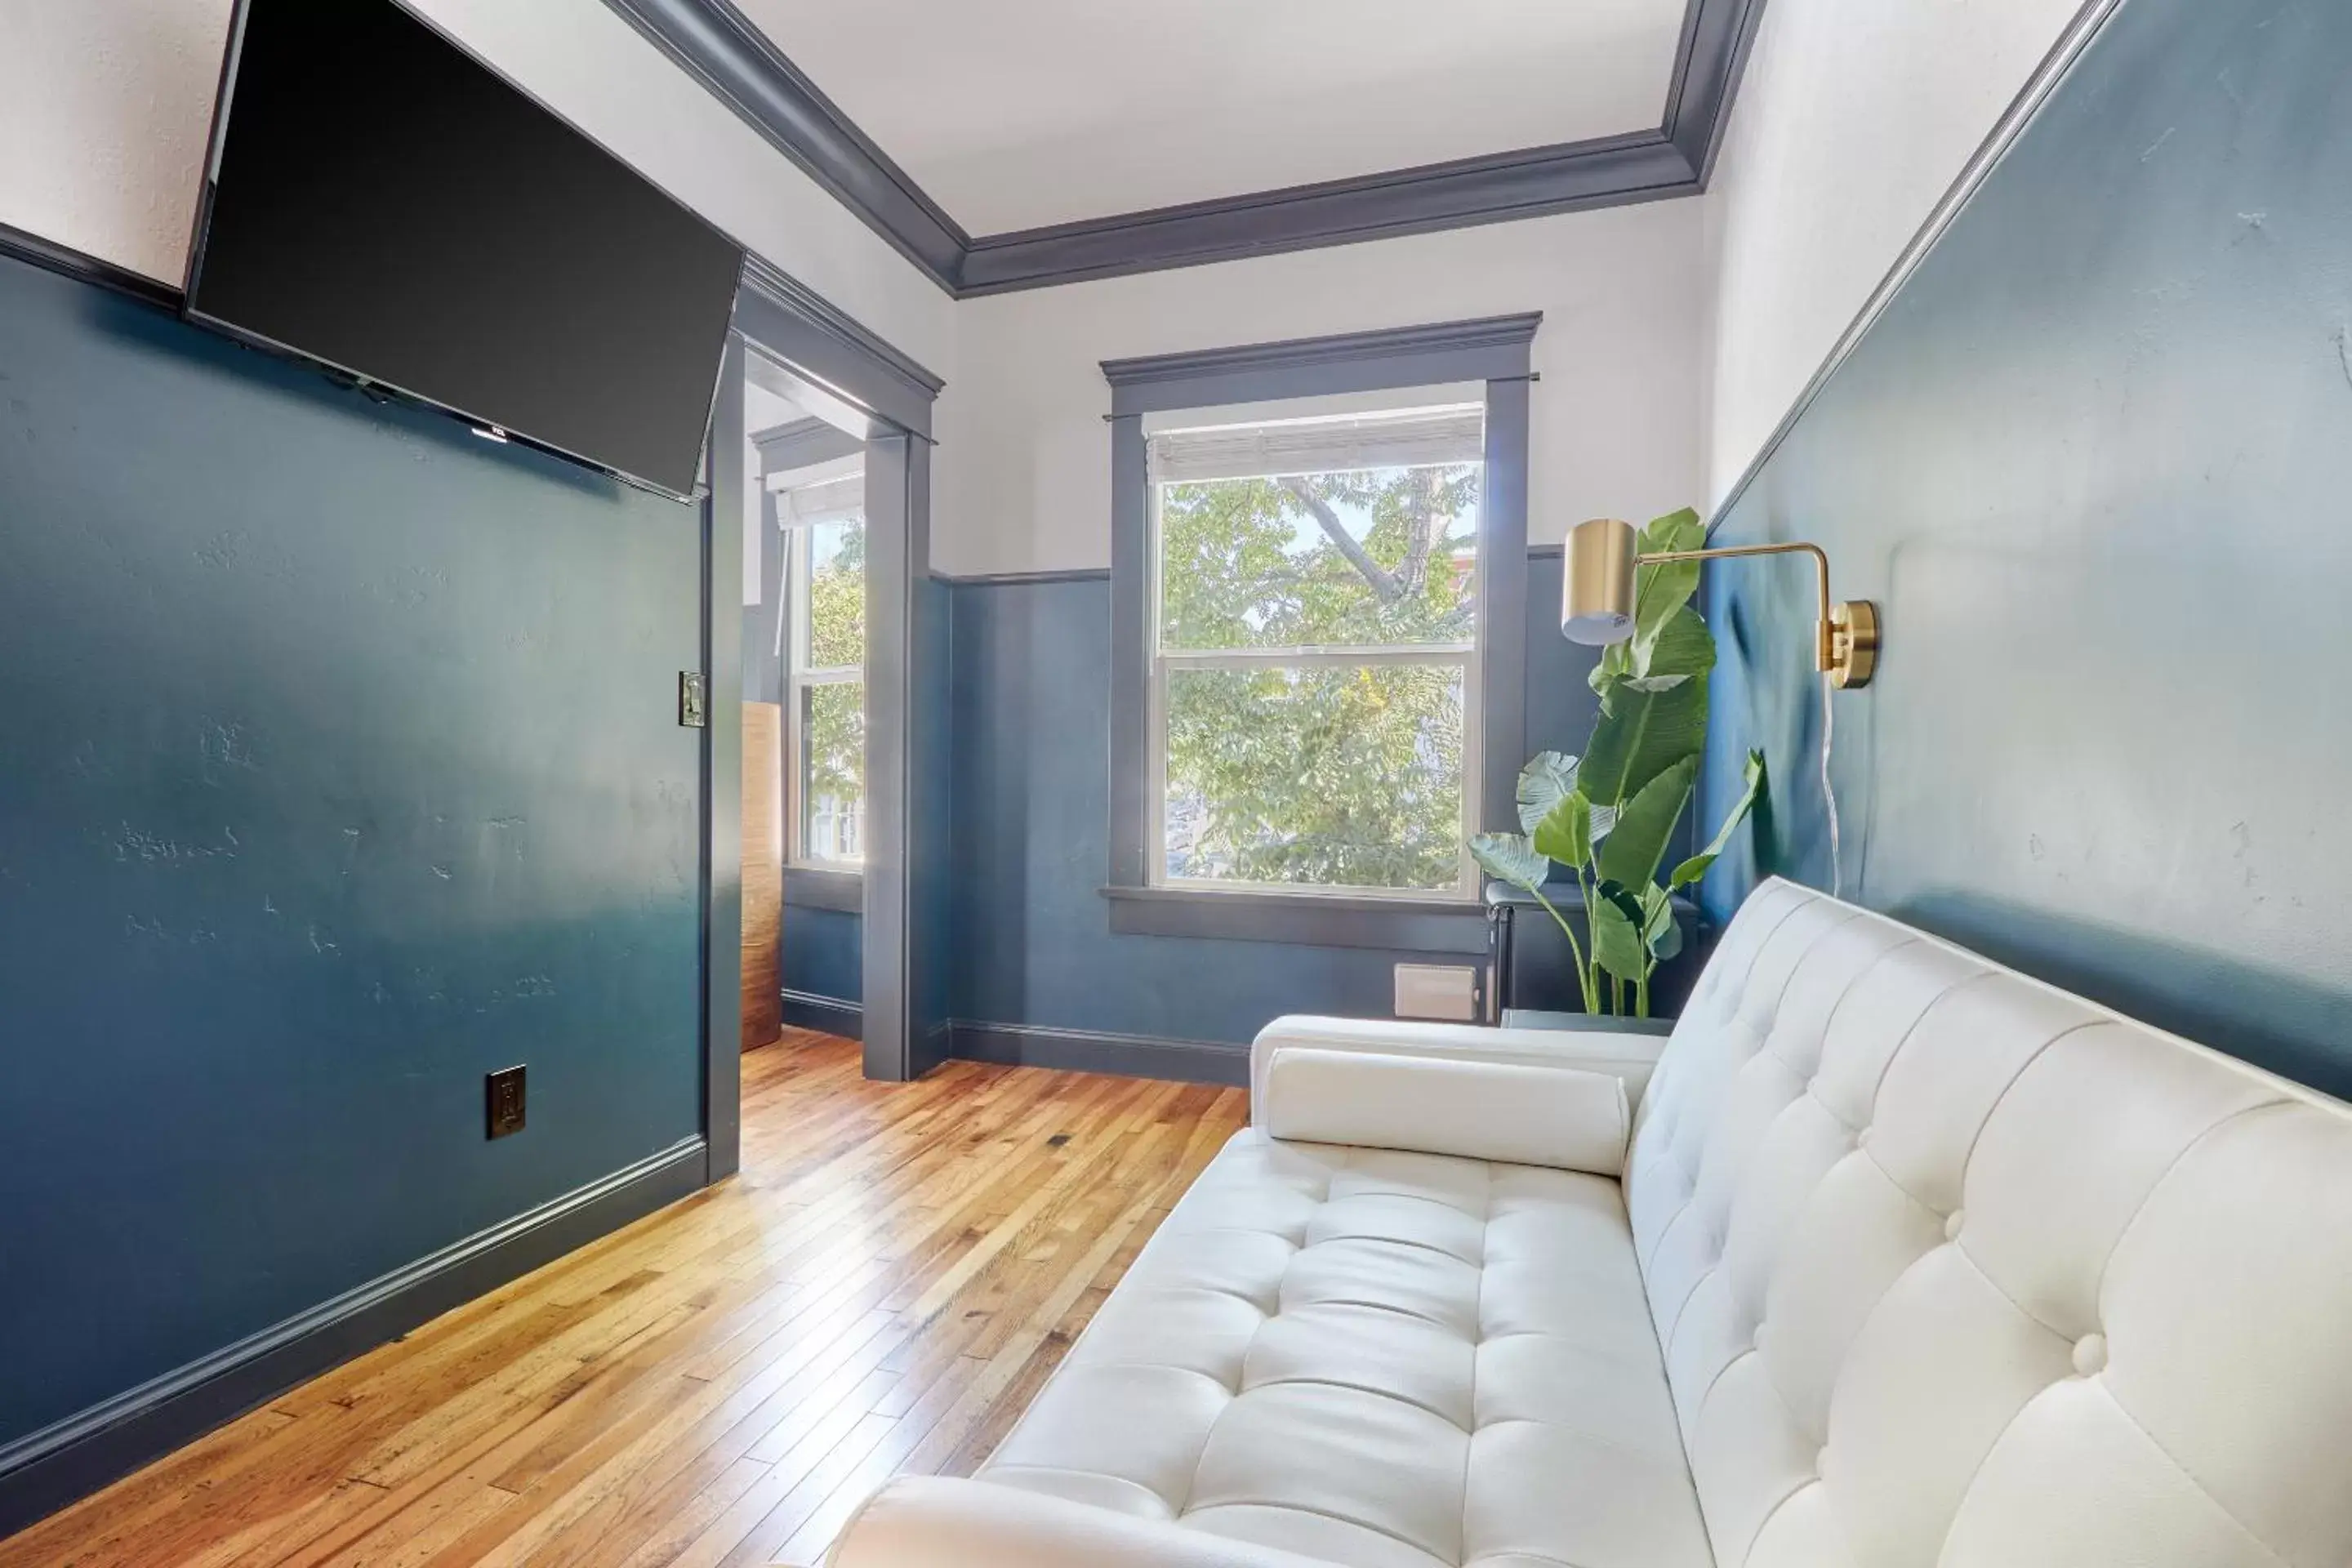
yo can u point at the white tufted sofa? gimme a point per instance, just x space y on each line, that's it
1914 1262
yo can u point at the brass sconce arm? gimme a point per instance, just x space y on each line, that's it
1597 596
1824 655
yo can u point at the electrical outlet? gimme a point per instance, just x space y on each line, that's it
506 1102
1437 991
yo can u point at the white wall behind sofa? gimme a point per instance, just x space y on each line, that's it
1024 467
105 105
1853 118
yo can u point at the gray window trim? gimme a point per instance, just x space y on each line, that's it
1491 348
1313 920
1497 351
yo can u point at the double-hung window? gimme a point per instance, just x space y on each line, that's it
1314 684
1319 622
825 677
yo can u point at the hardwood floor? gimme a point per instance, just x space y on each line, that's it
883 1288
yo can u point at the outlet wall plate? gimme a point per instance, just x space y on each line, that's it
1437 991
505 1106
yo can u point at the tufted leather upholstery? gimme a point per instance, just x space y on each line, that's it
1915 1262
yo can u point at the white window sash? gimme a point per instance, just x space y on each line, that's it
1462 657
800 677
1161 449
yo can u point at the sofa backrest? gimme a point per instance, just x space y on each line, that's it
1953 1268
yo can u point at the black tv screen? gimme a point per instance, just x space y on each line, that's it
379 200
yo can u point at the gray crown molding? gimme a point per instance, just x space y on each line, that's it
1613 171
720 48
1715 37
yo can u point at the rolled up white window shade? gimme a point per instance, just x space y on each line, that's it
823 502
1405 437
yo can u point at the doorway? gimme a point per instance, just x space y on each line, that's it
826 794
804 705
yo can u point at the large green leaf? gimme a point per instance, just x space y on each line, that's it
1566 836
1665 588
1616 917
1640 734
1548 778
1508 857
1684 646
1684 530
1692 870
1645 824
1660 930
1616 664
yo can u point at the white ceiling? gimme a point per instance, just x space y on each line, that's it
1016 113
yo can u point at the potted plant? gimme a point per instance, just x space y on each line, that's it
1608 816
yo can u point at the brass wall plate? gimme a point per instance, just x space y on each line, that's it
1853 643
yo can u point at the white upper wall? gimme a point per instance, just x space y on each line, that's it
1853 120
105 106
1677 335
1023 473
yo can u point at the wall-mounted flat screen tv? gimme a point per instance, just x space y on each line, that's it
378 200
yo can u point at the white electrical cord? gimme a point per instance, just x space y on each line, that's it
1828 791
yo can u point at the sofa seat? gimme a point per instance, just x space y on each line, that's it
1377 1358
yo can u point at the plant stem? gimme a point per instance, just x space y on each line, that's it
1595 987
1583 977
1642 998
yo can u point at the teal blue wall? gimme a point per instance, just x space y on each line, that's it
824 952
339 765
1033 943
2095 464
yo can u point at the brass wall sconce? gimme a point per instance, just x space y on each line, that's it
1596 604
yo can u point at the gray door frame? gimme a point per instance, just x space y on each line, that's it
722 774
826 361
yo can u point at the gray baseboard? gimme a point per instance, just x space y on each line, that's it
66 1461
1084 1050
825 1014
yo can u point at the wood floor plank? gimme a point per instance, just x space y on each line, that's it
885 1286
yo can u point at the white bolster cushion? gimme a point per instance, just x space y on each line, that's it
1520 1114
929 1521
1630 1056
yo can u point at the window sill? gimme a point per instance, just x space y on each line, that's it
818 888
1308 920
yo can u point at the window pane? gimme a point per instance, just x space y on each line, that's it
1368 555
1320 777
836 594
833 771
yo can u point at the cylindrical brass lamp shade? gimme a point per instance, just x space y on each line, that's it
1596 589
